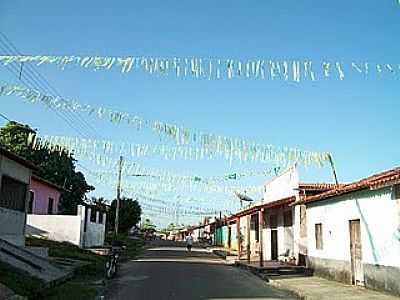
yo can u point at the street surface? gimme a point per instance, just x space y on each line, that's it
167 271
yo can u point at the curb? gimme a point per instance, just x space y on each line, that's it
295 292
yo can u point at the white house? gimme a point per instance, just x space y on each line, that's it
15 177
274 227
353 232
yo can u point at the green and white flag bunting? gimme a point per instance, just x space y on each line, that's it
230 148
211 68
92 147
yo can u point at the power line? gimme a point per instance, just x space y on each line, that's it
37 80
31 79
29 85
4 117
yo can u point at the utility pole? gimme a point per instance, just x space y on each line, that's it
118 195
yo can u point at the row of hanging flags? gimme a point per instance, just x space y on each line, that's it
157 180
150 202
211 68
230 148
99 148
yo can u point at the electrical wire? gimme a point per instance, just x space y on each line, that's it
34 78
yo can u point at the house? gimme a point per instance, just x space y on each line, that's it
44 197
353 232
15 178
274 228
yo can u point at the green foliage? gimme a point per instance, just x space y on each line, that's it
54 165
129 214
148 225
20 282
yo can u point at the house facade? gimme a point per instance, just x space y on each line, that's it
15 177
353 232
44 197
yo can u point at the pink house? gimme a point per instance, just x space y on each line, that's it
44 197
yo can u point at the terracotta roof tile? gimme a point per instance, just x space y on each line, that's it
378 180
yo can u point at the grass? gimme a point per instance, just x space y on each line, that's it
134 247
20 282
78 288
67 250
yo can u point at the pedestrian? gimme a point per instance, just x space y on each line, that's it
189 242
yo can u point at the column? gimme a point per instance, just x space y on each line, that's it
260 229
248 237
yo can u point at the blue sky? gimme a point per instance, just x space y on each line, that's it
356 119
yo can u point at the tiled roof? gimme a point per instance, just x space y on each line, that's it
372 182
255 208
48 183
317 186
17 158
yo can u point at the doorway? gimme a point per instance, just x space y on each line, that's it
274 244
357 271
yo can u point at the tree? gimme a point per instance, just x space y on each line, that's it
129 214
148 225
55 165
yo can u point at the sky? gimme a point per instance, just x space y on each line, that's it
356 119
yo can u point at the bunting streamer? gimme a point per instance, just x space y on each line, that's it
149 187
210 68
230 148
255 153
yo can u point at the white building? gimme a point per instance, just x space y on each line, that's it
274 227
15 177
353 232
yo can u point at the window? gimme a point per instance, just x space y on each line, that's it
287 218
255 226
30 203
318 236
397 191
93 215
100 217
13 194
50 206
273 221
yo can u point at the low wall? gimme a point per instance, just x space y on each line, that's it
332 269
377 277
12 226
56 227
95 234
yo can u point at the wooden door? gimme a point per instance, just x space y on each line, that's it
274 244
357 270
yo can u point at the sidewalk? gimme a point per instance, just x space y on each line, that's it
311 287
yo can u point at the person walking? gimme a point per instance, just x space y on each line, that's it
189 242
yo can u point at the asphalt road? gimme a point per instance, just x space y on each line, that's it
167 271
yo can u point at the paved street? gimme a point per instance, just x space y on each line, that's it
167 271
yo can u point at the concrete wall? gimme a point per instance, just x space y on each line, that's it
379 222
70 229
12 226
42 193
12 222
95 231
57 227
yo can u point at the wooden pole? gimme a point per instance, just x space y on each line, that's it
248 238
260 229
238 237
118 195
333 168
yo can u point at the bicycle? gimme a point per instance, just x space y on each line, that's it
111 266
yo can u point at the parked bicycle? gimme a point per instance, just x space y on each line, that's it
111 266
